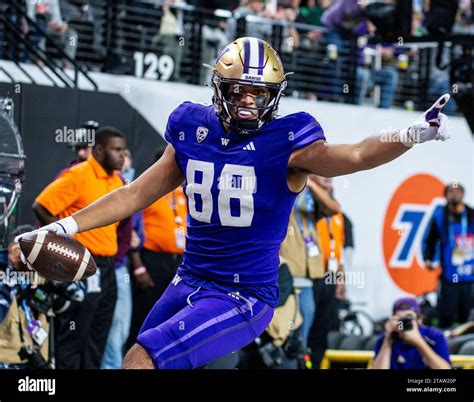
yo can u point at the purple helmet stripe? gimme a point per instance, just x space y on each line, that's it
246 56
260 56
224 51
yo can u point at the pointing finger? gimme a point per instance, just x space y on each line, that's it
432 114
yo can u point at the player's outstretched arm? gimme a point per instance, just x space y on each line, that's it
340 159
158 180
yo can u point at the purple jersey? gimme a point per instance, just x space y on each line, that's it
238 197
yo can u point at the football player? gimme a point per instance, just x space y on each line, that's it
243 167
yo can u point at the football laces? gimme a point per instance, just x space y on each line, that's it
63 251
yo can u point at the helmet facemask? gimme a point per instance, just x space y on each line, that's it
227 102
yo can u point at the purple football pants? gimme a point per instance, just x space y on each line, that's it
189 327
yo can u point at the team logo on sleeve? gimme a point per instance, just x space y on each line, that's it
407 221
201 134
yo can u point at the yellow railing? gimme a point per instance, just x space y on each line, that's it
366 357
463 361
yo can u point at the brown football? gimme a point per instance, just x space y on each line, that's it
57 256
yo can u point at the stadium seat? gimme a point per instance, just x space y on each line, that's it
455 344
334 339
369 344
467 348
352 342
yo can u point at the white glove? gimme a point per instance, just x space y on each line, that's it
433 125
67 226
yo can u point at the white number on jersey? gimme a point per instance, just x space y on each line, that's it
235 182
203 188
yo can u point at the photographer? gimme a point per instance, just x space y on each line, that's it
23 332
407 344
26 299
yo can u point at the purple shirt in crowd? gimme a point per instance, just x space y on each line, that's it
343 15
124 234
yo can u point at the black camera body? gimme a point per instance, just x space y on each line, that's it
274 356
271 355
40 299
49 296
405 323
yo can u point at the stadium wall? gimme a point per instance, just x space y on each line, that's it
42 110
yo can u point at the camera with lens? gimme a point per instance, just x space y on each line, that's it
271 355
55 297
405 323
40 299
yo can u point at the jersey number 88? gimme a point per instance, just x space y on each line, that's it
235 182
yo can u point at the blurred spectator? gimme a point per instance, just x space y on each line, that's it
369 74
255 29
81 147
348 243
128 171
345 16
439 82
56 27
341 19
407 344
120 328
452 234
86 17
328 290
162 252
386 76
465 18
313 11
344 19
287 11
311 14
307 47
170 38
214 39
463 329
141 278
9 47
417 28
302 251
